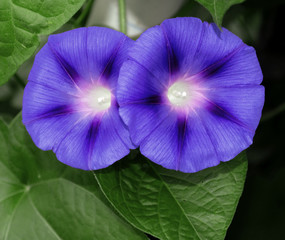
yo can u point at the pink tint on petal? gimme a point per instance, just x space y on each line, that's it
186 94
93 99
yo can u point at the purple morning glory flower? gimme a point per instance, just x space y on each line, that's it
69 103
190 94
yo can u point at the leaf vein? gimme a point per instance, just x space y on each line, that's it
12 216
182 209
43 219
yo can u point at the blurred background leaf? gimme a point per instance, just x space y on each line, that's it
41 198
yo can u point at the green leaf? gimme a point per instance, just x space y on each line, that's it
218 8
174 205
40 198
21 21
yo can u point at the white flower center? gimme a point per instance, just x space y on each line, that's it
99 99
179 94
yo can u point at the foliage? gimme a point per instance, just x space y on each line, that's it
40 198
175 205
218 8
21 23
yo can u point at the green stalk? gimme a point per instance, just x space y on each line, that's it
81 20
122 14
273 113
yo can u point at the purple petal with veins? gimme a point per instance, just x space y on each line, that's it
70 103
190 94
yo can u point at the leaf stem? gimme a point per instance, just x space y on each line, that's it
20 80
122 16
273 113
81 20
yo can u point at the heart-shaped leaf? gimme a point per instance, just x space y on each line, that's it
175 205
40 198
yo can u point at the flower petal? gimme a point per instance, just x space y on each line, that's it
129 91
39 100
78 140
142 120
139 97
215 134
244 104
112 141
184 36
180 144
88 54
203 142
228 137
95 143
225 98
155 55
161 145
241 67
111 71
207 51
47 114
57 110
198 151
223 129
76 146
48 72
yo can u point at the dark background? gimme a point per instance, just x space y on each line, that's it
261 210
